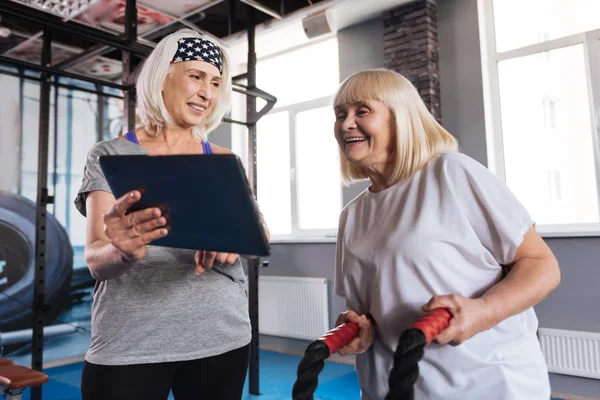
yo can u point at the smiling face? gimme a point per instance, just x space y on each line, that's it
363 130
190 92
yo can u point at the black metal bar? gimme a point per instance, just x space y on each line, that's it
239 77
62 85
48 20
55 145
130 22
94 51
79 89
254 263
235 121
69 157
54 71
172 25
262 8
100 104
21 76
39 289
231 16
129 98
127 60
256 92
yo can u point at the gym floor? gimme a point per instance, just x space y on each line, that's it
277 371
63 355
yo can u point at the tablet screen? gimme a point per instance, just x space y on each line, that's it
206 198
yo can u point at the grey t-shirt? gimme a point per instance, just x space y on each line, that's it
160 310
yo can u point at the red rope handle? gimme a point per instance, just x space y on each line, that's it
434 323
340 336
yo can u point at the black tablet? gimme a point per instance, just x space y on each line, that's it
206 198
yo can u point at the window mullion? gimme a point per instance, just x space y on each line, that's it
293 174
592 57
495 145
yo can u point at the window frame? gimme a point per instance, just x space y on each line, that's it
239 143
491 94
299 234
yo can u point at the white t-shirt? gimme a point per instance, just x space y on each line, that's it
446 230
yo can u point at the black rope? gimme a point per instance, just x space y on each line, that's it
405 371
309 369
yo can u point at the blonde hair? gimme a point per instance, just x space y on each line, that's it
419 137
150 105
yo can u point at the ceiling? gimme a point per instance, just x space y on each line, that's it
155 19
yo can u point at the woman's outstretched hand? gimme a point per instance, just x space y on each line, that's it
131 233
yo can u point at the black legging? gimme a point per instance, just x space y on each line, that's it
220 377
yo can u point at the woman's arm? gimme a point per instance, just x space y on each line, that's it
114 240
532 275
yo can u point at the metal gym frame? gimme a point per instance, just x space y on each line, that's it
129 45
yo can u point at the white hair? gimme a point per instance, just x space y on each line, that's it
419 137
150 105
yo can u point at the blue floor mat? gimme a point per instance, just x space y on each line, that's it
277 376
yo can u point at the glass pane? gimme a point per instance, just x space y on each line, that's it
521 23
547 135
10 121
273 170
29 148
294 78
318 170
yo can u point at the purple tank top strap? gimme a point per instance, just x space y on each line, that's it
206 148
131 137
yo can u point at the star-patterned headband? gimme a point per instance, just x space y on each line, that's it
192 48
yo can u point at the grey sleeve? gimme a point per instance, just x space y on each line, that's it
496 215
93 177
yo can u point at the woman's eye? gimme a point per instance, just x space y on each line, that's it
216 84
340 116
362 111
195 76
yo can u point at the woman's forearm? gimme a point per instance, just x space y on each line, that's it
105 261
529 281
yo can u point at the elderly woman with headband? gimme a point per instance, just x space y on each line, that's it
163 319
435 229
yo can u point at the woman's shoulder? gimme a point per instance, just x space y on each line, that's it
453 162
116 146
220 150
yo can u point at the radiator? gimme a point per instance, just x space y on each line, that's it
293 307
571 352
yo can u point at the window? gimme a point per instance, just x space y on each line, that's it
76 132
298 179
542 60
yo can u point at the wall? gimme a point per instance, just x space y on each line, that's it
573 305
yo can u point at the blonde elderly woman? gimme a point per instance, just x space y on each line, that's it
434 229
163 319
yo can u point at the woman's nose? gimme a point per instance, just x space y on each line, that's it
348 123
205 92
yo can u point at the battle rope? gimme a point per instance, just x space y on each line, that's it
314 358
410 350
405 371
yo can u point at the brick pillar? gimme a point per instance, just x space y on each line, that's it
411 48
